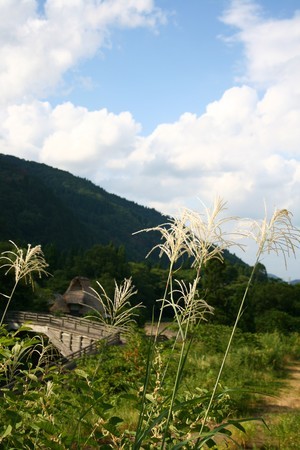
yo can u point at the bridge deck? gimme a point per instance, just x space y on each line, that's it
68 333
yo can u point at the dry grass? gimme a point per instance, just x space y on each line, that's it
24 264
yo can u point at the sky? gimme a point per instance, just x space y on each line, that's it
169 103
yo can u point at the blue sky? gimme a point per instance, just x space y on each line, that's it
163 102
182 66
160 74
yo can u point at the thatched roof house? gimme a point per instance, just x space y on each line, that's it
78 299
59 305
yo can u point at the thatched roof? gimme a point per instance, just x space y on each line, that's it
59 305
79 293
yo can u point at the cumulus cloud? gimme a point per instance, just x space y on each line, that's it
245 146
36 49
98 138
272 47
239 147
66 136
23 128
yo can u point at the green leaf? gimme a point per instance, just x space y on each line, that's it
97 395
13 417
131 397
150 398
48 427
106 406
114 420
7 432
32 376
238 425
81 373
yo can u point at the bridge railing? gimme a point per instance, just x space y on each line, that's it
66 322
112 339
69 362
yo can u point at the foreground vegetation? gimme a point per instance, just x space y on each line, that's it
97 405
190 392
271 304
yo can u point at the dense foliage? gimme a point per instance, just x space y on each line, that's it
272 304
173 393
88 232
97 404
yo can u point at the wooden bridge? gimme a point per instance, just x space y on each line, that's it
70 335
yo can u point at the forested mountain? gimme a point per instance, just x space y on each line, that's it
85 231
43 205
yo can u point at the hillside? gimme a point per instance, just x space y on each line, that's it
44 205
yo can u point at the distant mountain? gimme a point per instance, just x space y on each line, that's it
294 282
274 277
43 205
271 276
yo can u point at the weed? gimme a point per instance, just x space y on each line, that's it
23 264
172 411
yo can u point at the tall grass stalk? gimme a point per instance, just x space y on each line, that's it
200 237
23 264
188 310
276 235
174 237
116 314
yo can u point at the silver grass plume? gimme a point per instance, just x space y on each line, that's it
117 313
277 235
207 237
24 262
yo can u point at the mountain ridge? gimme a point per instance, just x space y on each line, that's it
45 205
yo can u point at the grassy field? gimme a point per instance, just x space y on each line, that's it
99 404
281 413
260 380
201 388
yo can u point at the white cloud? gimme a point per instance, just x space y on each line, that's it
23 128
88 141
69 137
246 154
272 47
245 146
37 50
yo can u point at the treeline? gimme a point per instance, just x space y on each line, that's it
271 304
